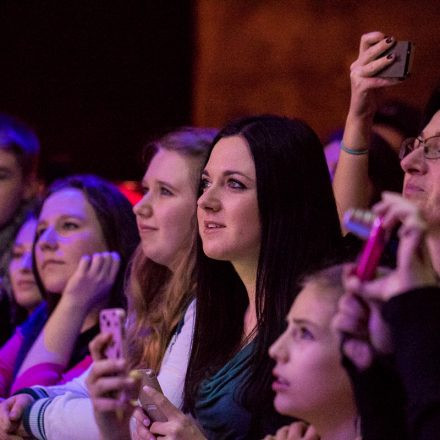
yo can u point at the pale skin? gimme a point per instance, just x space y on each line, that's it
228 202
165 218
353 169
85 281
357 316
310 383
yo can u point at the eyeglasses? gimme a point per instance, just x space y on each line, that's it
431 147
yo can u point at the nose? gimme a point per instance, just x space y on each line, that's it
143 208
277 350
209 201
414 162
26 262
48 240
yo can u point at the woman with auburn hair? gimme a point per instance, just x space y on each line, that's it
266 215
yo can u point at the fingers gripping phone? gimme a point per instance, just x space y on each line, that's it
153 412
361 223
113 321
401 66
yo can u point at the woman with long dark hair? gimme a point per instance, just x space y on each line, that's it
266 215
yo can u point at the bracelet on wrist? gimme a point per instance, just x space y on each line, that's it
353 152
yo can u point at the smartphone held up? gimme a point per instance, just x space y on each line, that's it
400 68
367 226
113 321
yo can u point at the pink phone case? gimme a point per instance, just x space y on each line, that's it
372 251
113 321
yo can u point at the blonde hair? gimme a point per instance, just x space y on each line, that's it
158 298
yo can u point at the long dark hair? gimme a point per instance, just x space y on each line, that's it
117 222
300 228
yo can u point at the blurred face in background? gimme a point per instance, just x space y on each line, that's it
67 229
26 292
13 186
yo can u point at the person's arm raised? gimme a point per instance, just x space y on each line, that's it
351 184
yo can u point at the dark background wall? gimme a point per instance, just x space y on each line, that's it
293 56
96 78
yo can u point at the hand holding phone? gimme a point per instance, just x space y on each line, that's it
403 57
113 321
360 222
153 412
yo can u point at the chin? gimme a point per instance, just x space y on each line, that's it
281 404
54 286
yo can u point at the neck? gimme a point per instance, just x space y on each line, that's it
334 430
248 275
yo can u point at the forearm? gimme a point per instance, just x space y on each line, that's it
351 185
57 339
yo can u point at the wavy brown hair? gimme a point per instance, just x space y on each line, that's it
157 298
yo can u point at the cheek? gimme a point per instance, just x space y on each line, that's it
178 225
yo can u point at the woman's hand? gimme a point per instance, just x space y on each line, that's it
11 413
112 391
363 82
365 333
92 280
359 315
178 427
295 431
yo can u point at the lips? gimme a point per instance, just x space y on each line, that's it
412 189
25 284
210 226
279 384
146 228
47 263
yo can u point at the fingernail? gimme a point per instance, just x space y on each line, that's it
389 40
390 56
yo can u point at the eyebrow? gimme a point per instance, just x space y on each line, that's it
228 173
306 321
160 182
63 217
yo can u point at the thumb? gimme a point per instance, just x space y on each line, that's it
16 411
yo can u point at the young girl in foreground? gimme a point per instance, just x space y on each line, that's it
310 382
266 215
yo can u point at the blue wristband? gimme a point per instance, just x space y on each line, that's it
353 152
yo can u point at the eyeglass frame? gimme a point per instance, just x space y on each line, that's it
405 142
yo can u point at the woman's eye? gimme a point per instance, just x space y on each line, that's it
16 254
204 184
70 226
165 191
303 333
144 190
235 184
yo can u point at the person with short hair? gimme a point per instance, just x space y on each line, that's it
19 152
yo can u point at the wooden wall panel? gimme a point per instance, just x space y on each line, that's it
293 57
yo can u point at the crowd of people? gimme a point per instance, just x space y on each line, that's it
238 278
